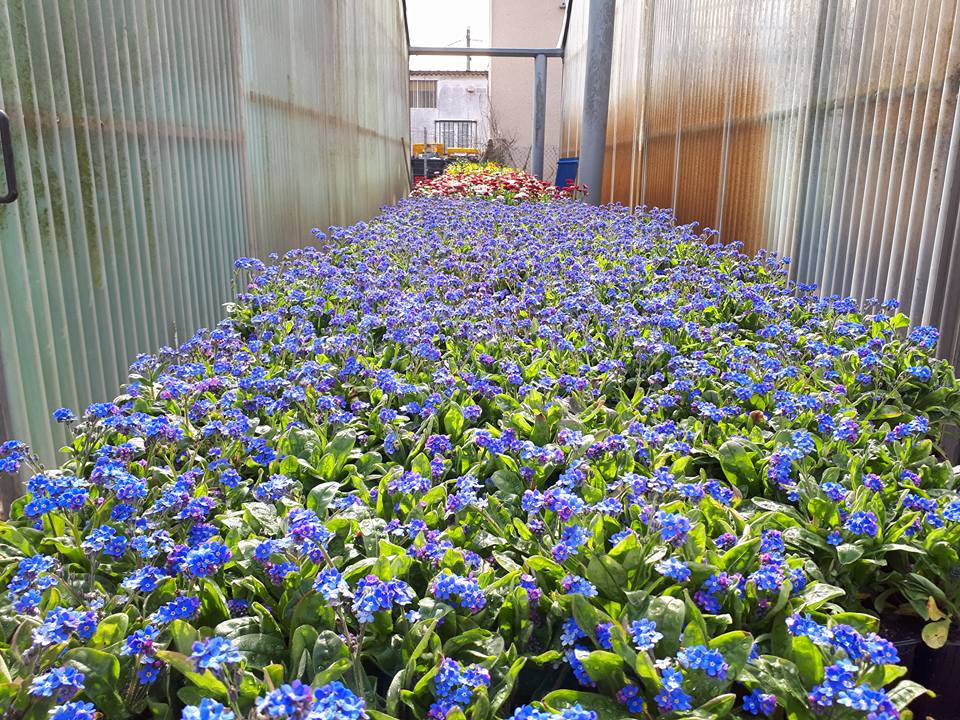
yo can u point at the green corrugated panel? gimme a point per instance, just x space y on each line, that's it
155 142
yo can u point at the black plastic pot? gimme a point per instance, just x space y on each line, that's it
938 670
907 650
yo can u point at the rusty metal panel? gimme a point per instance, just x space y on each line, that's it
155 142
826 130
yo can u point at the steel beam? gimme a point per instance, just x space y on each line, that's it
488 52
596 96
539 113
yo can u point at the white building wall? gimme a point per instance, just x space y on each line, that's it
459 97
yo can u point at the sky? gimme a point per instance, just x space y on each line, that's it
442 23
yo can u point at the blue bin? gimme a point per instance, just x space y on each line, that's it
566 171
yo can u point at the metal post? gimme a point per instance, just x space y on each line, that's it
468 45
596 96
539 112
425 175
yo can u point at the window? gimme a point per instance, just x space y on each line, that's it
456 133
423 93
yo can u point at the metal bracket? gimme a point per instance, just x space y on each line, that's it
8 166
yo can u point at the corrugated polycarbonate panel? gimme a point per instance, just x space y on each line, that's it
325 93
155 142
826 130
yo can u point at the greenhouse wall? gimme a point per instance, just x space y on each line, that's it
826 130
155 142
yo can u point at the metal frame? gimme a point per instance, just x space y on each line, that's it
9 167
539 56
488 52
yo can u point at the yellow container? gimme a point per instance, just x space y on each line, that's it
431 147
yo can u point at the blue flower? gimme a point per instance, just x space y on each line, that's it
335 701
758 702
73 711
374 595
140 642
673 527
64 415
574 584
672 697
571 539
276 487
208 709
293 700
644 633
446 584
183 608
862 523
207 559
331 585
61 683
674 569
411 483
454 686
214 653
571 632
925 336
629 695
699 657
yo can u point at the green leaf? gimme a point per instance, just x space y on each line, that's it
261 650
849 553
608 575
102 671
935 634
669 614
185 635
508 482
328 648
584 613
393 692
336 670
112 629
321 496
606 669
860 621
301 651
453 421
824 512
505 687
905 692
377 715
213 604
302 443
808 659
422 645
206 683
736 464
539 562
716 708
606 708
735 647
818 593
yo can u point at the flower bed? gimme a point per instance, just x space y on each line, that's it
490 182
477 460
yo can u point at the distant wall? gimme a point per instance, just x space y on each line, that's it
824 129
156 142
